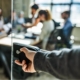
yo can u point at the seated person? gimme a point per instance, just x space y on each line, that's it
5 27
14 19
67 28
35 20
48 27
67 24
21 19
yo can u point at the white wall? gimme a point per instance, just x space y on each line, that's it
76 34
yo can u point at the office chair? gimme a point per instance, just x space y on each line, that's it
52 41
61 43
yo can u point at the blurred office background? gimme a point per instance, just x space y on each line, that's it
56 7
29 36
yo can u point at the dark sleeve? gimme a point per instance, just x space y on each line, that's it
64 64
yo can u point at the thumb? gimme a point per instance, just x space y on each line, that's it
26 52
24 49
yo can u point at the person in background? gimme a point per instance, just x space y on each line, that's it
35 19
48 27
8 25
1 20
21 19
34 11
14 19
5 27
67 28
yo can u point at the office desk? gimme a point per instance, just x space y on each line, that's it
7 41
2 35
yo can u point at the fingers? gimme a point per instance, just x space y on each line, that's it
18 62
25 50
28 53
23 62
24 67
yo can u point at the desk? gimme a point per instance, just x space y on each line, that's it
60 27
7 41
2 34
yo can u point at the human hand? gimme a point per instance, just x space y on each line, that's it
30 55
24 25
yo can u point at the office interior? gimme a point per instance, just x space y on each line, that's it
16 33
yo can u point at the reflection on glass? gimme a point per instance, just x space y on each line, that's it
61 1
76 0
44 7
42 1
57 10
75 14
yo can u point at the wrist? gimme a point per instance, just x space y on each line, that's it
32 54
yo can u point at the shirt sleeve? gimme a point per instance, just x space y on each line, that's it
7 27
64 64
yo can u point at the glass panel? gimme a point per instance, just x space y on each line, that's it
76 0
57 10
44 7
75 14
42 1
61 1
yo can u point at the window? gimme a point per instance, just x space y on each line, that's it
76 1
42 1
75 14
44 4
61 1
57 10
58 6
45 7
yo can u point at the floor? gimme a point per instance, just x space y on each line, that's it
42 76
2 76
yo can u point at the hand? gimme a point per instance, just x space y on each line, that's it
23 25
30 55
27 25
